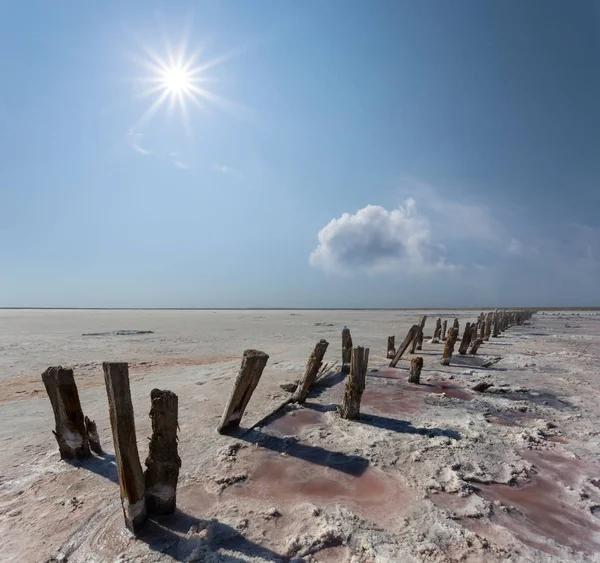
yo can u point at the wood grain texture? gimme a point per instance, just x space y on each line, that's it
70 432
131 478
253 364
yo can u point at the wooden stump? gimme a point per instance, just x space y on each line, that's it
346 350
449 346
416 364
437 333
310 373
91 431
456 325
131 478
410 336
475 345
482 328
496 326
417 343
163 461
355 386
69 421
464 343
391 347
488 327
253 364
444 326
473 333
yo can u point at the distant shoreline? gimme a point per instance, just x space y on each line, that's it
292 308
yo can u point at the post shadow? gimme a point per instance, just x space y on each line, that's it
169 535
405 427
350 464
326 383
104 465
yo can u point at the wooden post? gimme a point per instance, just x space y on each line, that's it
310 373
346 350
473 333
163 461
391 347
482 327
456 325
437 333
68 417
131 478
464 343
253 364
475 345
416 364
91 431
449 346
355 386
496 329
488 327
444 326
410 336
417 343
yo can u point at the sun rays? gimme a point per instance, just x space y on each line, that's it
175 80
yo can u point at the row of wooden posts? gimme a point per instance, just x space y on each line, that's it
153 491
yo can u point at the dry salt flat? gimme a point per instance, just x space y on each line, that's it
435 472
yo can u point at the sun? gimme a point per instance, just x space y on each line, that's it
176 79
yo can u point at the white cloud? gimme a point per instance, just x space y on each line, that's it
228 170
377 240
136 139
180 164
515 246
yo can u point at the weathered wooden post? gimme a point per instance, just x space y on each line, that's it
464 343
355 386
444 326
131 478
437 333
163 461
475 345
473 333
456 325
482 327
391 347
488 327
70 432
346 350
315 361
416 364
421 328
496 323
449 346
417 342
91 431
253 364
410 336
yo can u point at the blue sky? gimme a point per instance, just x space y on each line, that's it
386 154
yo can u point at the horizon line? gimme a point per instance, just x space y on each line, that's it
542 308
